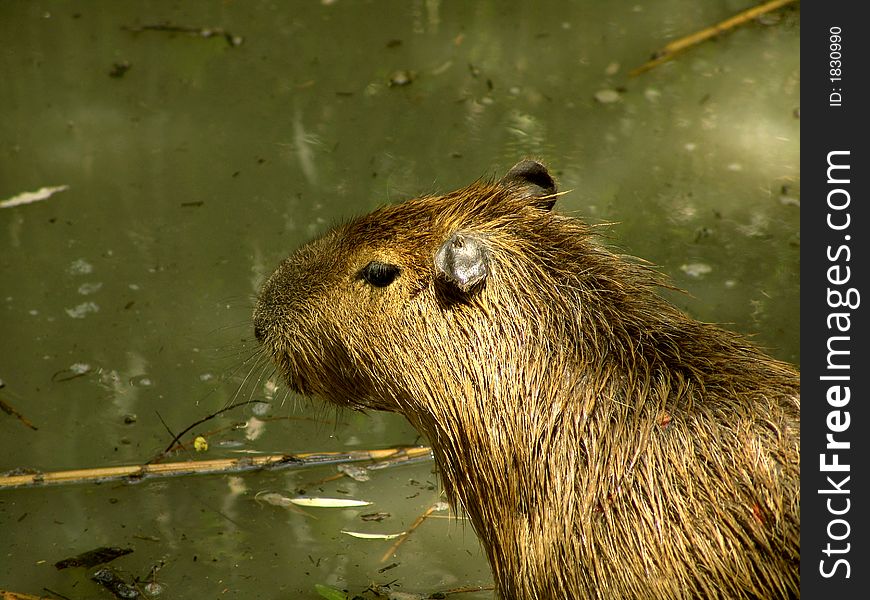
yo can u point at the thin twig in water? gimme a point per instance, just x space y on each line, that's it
684 43
203 32
9 410
410 530
221 465
200 422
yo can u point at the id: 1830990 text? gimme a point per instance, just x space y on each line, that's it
835 63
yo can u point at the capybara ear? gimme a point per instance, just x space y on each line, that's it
533 181
463 261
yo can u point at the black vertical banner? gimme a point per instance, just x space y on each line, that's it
835 299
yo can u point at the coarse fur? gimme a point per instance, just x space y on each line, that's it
603 443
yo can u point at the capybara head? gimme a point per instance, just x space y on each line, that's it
603 443
422 294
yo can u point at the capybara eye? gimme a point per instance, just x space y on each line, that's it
379 274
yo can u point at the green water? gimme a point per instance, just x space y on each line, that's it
194 164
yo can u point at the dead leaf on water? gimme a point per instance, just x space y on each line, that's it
328 502
372 536
28 197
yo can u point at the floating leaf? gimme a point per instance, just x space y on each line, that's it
200 444
373 536
329 593
94 557
329 502
28 197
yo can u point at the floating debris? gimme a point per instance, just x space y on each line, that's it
92 558
10 410
80 267
378 516
652 94
261 409
81 311
607 96
401 78
329 502
119 69
696 269
29 197
373 536
72 372
273 498
141 381
329 593
355 472
152 588
202 32
87 289
119 588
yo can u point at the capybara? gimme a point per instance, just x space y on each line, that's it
603 443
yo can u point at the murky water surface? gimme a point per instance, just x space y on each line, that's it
197 144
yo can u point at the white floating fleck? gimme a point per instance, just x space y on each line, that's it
735 167
141 381
81 311
696 269
28 197
612 69
261 409
328 502
86 289
254 428
607 96
690 147
80 267
652 94
80 368
269 389
373 536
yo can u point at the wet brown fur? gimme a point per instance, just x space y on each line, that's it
603 443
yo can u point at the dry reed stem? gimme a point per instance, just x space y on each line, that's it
684 43
221 465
